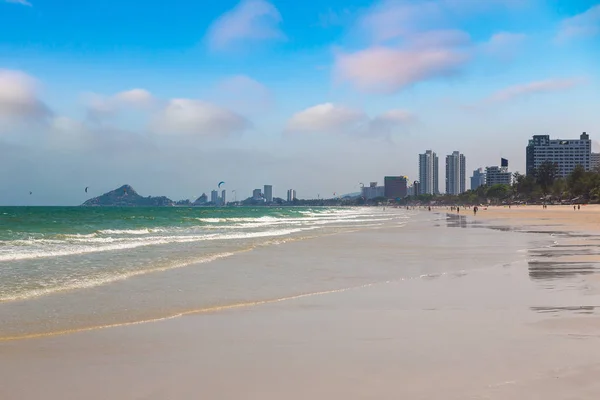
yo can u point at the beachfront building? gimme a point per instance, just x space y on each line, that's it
428 173
373 191
595 161
416 188
223 197
268 193
291 195
257 194
214 197
395 187
456 173
566 154
498 175
478 179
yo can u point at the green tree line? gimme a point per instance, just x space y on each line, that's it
544 185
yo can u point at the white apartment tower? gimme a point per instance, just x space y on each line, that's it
566 154
291 195
456 172
428 173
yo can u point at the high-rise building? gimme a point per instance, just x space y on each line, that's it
223 197
214 197
373 191
595 161
566 154
478 178
291 195
416 188
498 175
257 194
428 173
268 193
456 173
395 187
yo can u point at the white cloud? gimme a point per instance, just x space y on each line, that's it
388 70
135 97
198 118
391 19
249 20
581 25
516 91
337 119
18 96
326 118
395 18
22 2
417 41
100 106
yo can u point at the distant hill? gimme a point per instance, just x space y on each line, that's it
126 196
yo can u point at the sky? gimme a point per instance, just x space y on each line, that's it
318 96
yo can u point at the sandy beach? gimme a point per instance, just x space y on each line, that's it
503 305
587 218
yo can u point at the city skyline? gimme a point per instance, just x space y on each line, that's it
321 96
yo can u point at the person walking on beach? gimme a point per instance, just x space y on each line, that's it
579 206
475 210
457 210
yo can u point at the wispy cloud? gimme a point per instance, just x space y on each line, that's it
580 25
387 70
249 20
198 118
99 106
19 98
328 118
504 45
243 94
412 42
527 89
22 2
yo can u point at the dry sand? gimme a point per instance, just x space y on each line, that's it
518 325
564 216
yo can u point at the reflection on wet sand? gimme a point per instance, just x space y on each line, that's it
572 309
556 269
456 221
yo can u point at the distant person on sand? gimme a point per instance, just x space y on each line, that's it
457 210
475 210
578 206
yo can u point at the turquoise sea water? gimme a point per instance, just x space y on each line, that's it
45 250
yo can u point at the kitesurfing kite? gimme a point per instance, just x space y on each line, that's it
30 193
221 183
86 188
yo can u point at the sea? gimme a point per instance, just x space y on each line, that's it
53 258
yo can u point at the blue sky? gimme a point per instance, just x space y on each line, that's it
172 97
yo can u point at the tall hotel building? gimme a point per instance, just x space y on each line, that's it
456 173
567 154
428 173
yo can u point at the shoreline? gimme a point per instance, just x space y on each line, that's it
465 304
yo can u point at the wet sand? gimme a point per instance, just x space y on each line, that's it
442 309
